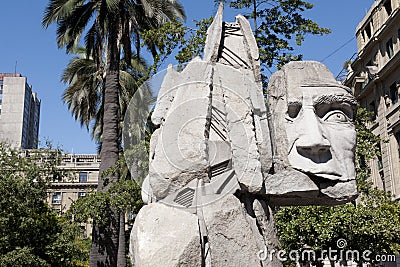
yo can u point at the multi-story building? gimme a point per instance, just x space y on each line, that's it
83 173
19 112
374 77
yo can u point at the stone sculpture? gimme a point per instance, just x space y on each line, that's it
220 159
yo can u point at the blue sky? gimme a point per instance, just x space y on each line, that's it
32 51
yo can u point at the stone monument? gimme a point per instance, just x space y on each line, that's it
220 159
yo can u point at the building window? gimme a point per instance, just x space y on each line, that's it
388 7
81 194
398 34
57 178
366 81
389 48
380 164
394 94
368 31
83 177
379 156
373 110
56 198
381 174
397 136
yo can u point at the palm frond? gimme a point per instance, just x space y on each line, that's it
59 9
176 10
113 5
71 27
94 40
83 94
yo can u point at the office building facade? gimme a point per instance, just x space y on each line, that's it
19 112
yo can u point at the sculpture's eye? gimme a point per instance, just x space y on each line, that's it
293 110
335 116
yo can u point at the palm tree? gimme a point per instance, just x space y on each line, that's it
83 97
109 25
85 80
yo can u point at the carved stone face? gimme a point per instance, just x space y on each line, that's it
313 135
320 131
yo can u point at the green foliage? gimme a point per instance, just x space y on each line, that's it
68 248
173 37
163 40
367 147
122 196
22 257
31 234
194 44
138 156
373 223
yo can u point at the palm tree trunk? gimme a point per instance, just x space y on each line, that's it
121 257
105 236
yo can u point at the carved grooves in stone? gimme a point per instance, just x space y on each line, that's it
226 55
185 197
205 252
220 168
229 177
218 123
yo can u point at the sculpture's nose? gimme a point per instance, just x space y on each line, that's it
312 140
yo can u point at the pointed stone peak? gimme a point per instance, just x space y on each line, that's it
214 36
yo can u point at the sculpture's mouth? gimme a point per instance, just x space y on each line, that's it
330 175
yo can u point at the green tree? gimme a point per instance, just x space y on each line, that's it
162 41
31 234
109 27
193 45
372 223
